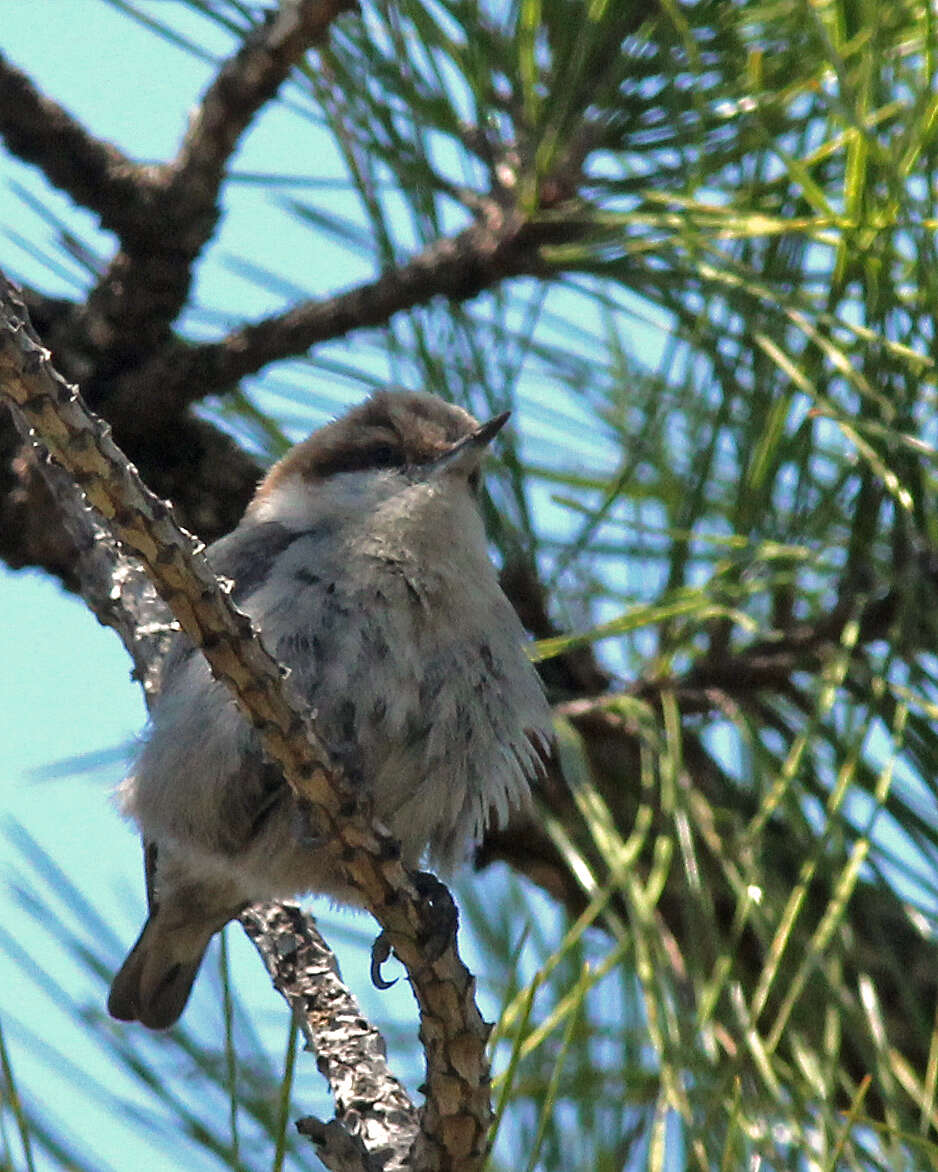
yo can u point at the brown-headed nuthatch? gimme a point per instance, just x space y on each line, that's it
362 560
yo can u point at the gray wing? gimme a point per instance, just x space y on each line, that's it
244 556
247 798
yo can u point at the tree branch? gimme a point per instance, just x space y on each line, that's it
370 1103
769 663
422 929
94 173
113 585
458 267
163 215
196 465
243 85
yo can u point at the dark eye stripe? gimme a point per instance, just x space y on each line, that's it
352 458
384 456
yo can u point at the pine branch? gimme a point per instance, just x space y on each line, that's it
371 1105
244 84
94 173
419 922
128 314
163 215
458 267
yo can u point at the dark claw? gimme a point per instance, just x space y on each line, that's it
380 952
348 755
442 918
304 827
429 887
440 921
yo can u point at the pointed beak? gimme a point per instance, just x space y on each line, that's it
466 455
488 431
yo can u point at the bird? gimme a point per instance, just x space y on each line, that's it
363 563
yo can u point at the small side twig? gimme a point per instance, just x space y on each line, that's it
371 1104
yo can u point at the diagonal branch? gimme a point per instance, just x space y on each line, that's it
458 267
369 1100
243 85
455 1119
94 173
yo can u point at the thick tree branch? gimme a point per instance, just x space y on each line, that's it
95 174
458 267
457 1113
370 1103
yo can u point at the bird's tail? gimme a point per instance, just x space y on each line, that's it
154 982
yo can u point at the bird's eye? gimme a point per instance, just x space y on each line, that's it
384 456
475 481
